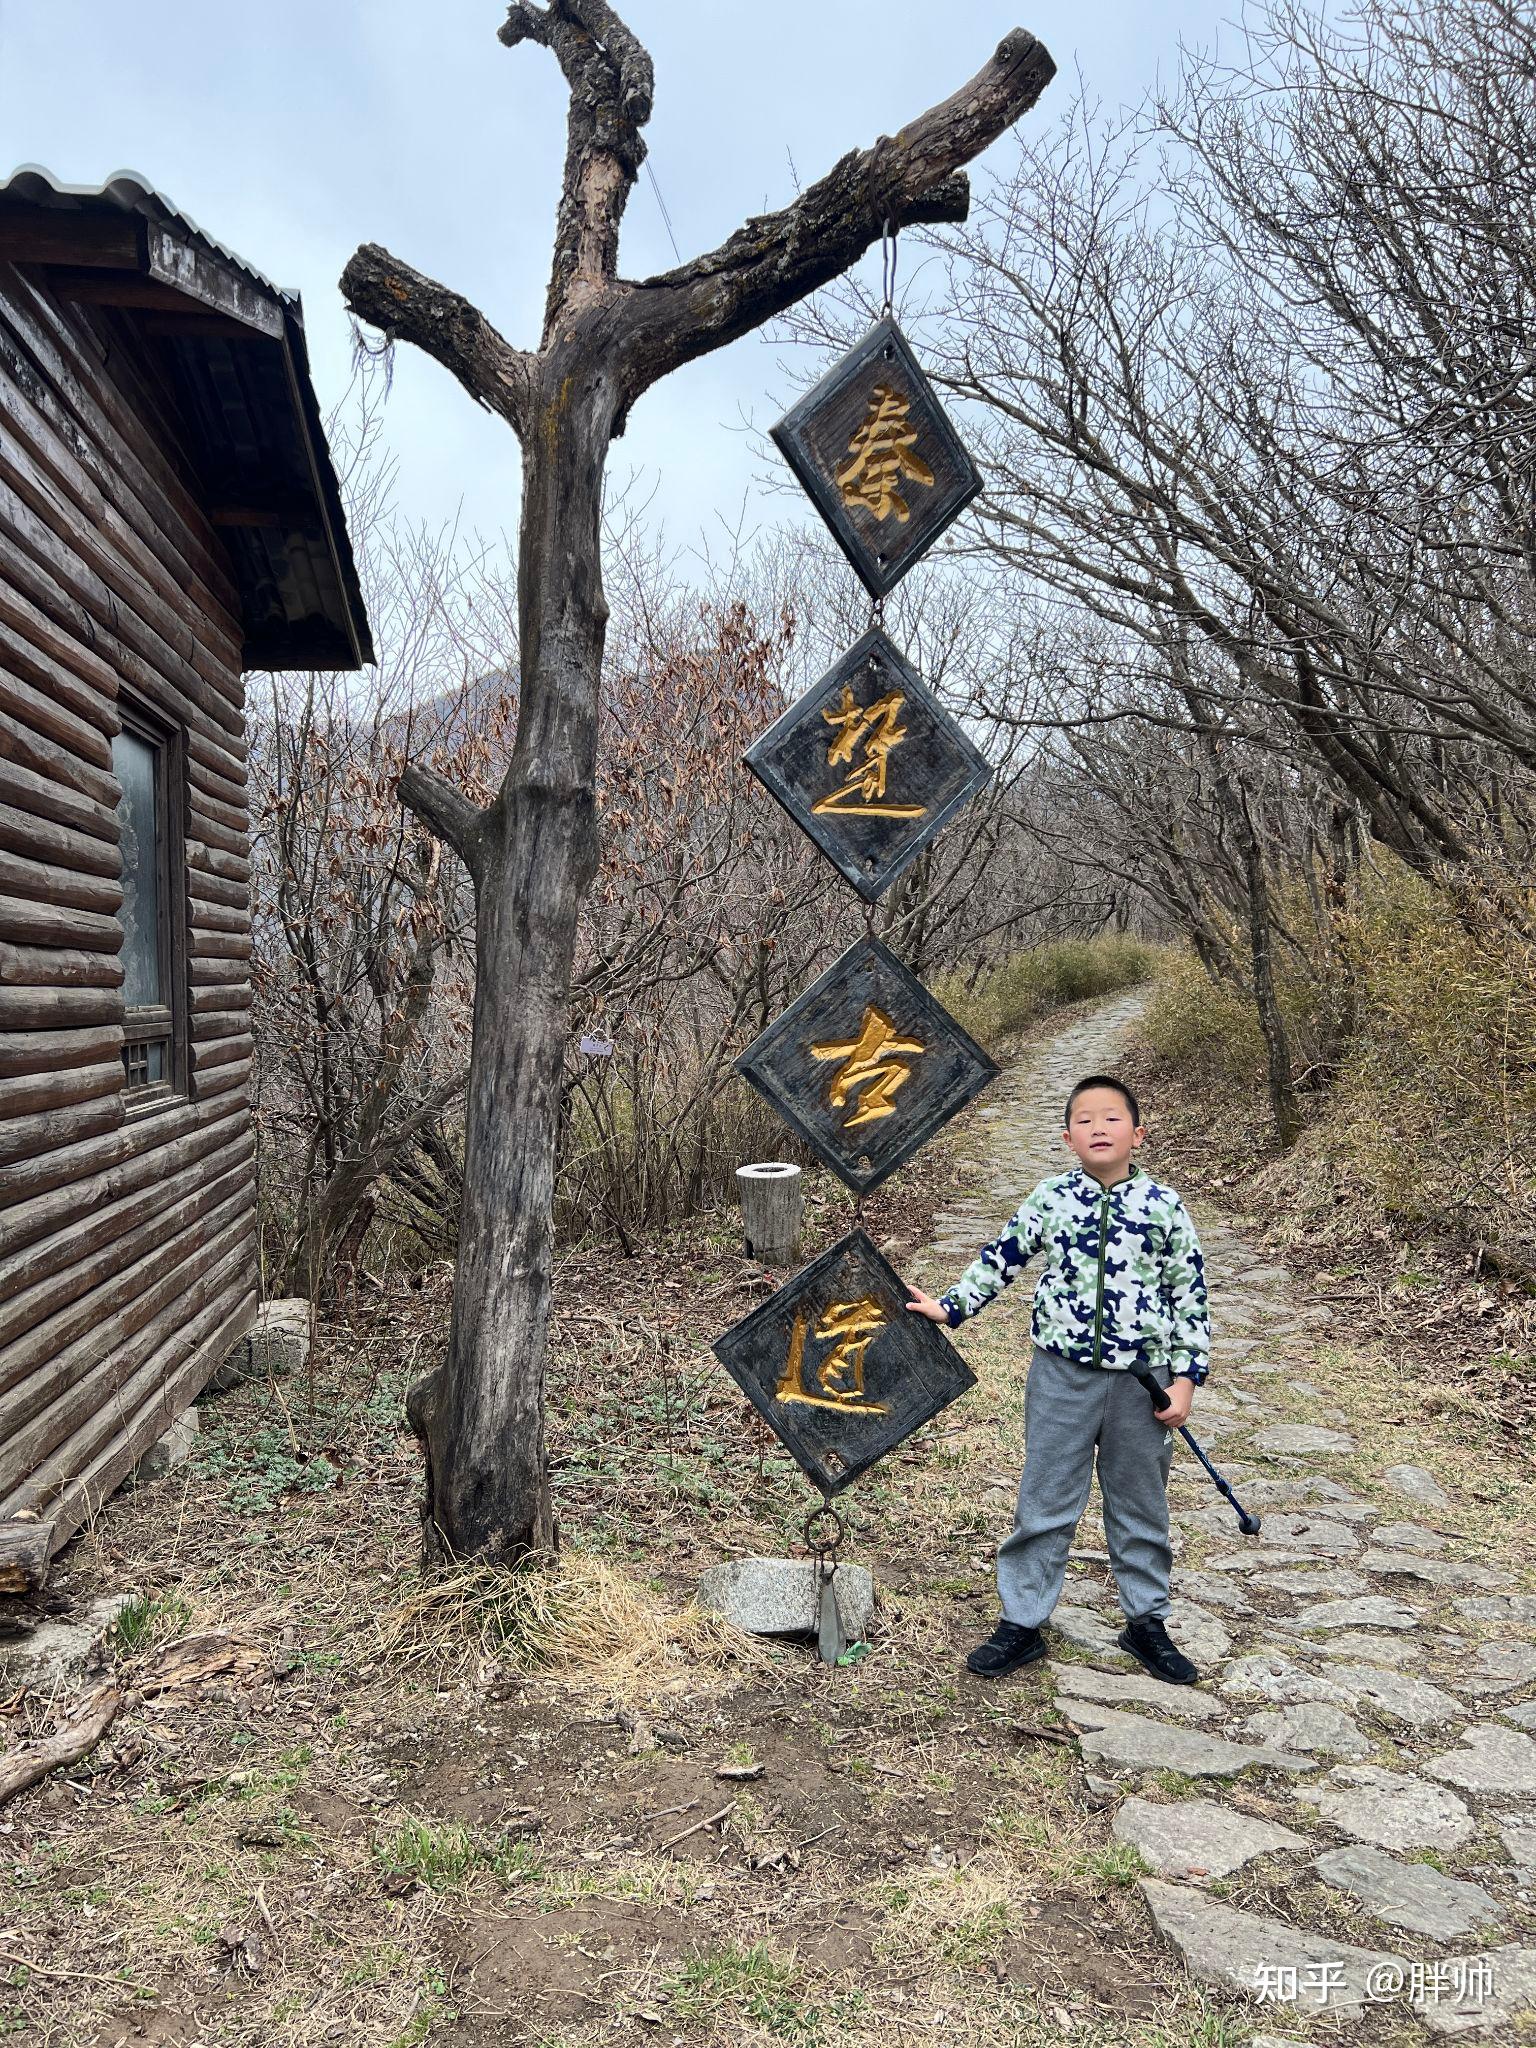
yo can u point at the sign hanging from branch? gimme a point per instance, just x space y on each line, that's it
878 457
837 1368
866 1065
869 765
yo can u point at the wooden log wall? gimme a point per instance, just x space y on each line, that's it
127 1237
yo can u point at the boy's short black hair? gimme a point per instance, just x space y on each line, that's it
1103 1081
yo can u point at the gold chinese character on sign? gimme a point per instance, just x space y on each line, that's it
850 1327
876 1061
884 458
875 729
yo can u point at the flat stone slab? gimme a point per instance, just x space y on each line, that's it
1132 1742
1212 1589
1500 1989
1301 1436
1409 1536
1076 1682
1269 1676
1264 1958
1499 1607
60 1654
1370 1610
1490 1759
1088 1632
780 1596
1433 1571
1393 1811
1311 1726
1519 1838
1523 1716
1197 1837
1312 1487
1500 1667
1414 1483
1318 1534
1198 1634
1413 1896
1300 1583
1299 1532
1369 1649
1399 1695
1256 1560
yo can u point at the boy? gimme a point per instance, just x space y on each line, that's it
1123 1288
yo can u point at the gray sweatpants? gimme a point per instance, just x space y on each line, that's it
1069 1412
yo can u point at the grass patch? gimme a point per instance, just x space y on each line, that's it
444 1854
148 1619
754 1983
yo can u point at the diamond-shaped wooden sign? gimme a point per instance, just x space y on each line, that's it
866 1065
837 1367
879 458
869 764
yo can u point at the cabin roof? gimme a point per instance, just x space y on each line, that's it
229 345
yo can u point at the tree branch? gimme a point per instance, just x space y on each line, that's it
77 1735
777 258
612 86
406 306
444 809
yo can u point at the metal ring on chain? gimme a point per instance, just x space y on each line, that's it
820 1546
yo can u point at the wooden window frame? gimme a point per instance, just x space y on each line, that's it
164 1024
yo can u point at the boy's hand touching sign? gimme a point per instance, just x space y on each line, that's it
924 1305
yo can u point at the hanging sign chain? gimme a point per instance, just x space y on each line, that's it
824 1543
887 312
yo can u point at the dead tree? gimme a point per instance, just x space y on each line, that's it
532 853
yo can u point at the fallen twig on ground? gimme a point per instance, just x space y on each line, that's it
699 1825
78 1734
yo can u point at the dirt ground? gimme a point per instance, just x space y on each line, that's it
591 1814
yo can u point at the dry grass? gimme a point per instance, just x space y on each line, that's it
577 1617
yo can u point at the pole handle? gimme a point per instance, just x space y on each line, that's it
1156 1394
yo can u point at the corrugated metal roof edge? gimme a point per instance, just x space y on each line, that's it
130 192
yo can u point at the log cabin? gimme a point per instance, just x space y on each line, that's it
169 518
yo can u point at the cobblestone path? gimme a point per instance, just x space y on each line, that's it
1340 1820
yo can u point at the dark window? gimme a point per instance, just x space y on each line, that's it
144 761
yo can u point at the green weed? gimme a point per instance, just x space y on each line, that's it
443 1855
754 1984
147 1619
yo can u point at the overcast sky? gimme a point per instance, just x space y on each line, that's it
294 130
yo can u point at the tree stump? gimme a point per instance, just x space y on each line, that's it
772 1206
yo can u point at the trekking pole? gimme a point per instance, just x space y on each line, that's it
1249 1524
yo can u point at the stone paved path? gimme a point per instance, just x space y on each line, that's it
1342 1817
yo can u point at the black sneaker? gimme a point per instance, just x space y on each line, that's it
1147 1640
1005 1650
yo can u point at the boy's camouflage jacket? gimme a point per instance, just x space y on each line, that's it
1124 1282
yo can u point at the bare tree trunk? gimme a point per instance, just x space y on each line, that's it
1277 1040
533 852
488 1487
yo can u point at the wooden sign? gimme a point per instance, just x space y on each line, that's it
869 765
866 1065
878 457
837 1368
